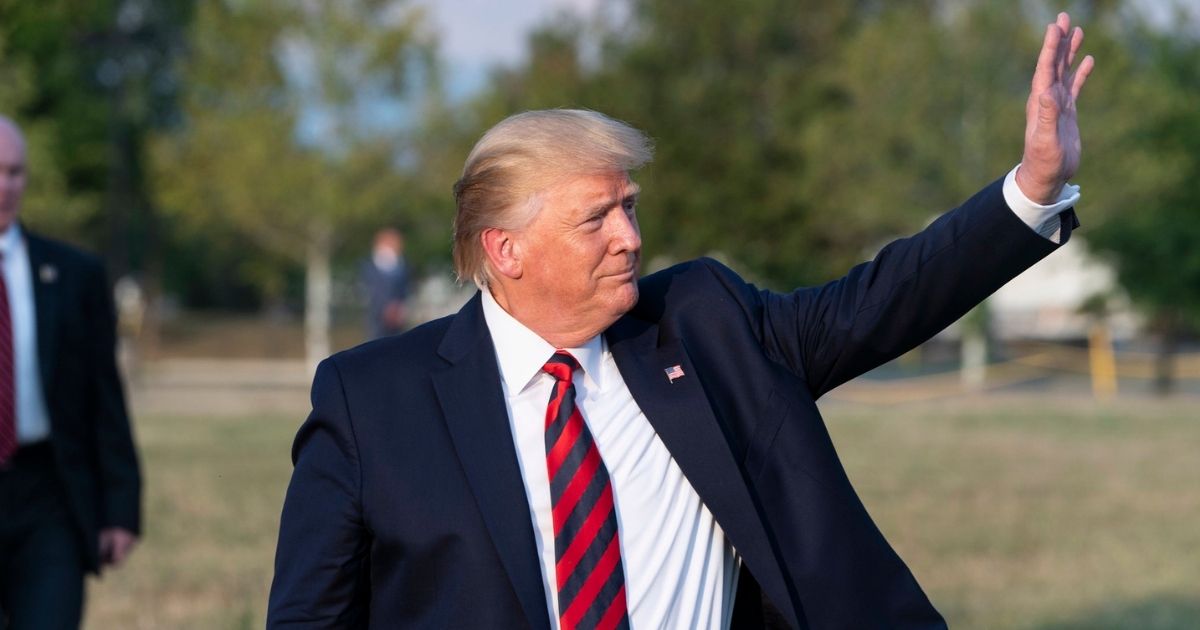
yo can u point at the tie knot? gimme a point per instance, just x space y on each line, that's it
561 365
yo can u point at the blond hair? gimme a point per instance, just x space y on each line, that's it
524 155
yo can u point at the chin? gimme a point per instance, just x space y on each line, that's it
627 297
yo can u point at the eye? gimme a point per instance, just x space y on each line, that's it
629 205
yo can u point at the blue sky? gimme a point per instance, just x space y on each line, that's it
475 35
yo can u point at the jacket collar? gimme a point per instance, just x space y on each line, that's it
472 402
669 388
46 280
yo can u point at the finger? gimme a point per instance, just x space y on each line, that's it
1081 75
1043 75
1076 42
1062 60
119 554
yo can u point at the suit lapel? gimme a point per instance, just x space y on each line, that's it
473 403
680 413
45 281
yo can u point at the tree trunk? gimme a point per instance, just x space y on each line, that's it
976 323
318 293
974 350
1164 359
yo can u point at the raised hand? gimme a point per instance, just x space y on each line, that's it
1052 145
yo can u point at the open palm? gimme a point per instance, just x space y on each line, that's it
1052 146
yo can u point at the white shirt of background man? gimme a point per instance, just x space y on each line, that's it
33 422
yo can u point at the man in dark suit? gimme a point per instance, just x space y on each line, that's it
578 449
69 481
384 276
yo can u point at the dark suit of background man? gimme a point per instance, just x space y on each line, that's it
385 281
578 449
69 481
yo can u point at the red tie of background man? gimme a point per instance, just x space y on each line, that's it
8 398
587 552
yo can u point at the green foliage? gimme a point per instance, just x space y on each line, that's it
1152 236
272 152
98 78
794 137
47 204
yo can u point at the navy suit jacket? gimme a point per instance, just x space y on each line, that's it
406 506
89 427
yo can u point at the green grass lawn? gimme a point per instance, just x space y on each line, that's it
214 488
1012 514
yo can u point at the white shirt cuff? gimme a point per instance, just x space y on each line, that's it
1041 219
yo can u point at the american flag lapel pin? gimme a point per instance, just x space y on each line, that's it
673 373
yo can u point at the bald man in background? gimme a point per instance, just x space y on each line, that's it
70 488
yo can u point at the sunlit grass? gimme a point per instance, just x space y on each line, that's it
1038 514
214 488
1013 514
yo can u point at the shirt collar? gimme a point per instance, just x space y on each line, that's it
10 239
521 353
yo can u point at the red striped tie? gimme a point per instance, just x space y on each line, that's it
8 407
591 579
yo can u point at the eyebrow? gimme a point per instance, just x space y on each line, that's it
634 191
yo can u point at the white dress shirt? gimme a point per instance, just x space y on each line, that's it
1043 219
680 570
33 422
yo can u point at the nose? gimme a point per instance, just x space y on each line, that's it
626 236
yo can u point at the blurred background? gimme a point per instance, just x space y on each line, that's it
232 160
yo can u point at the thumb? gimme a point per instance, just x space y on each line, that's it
1047 114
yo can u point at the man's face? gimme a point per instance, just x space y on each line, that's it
580 253
12 175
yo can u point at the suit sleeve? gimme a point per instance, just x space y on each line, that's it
914 288
321 563
119 470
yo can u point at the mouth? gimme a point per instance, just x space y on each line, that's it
628 274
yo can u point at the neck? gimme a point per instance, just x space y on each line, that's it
552 325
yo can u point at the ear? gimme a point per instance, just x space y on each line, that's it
501 250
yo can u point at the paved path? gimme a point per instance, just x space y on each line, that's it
247 387
220 387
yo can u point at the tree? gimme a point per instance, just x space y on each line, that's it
271 145
46 202
1148 197
100 79
793 137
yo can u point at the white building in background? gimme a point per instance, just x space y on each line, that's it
1044 302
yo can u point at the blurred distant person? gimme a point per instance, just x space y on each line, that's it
70 489
578 448
385 281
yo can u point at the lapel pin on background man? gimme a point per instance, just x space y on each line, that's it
69 481
525 464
